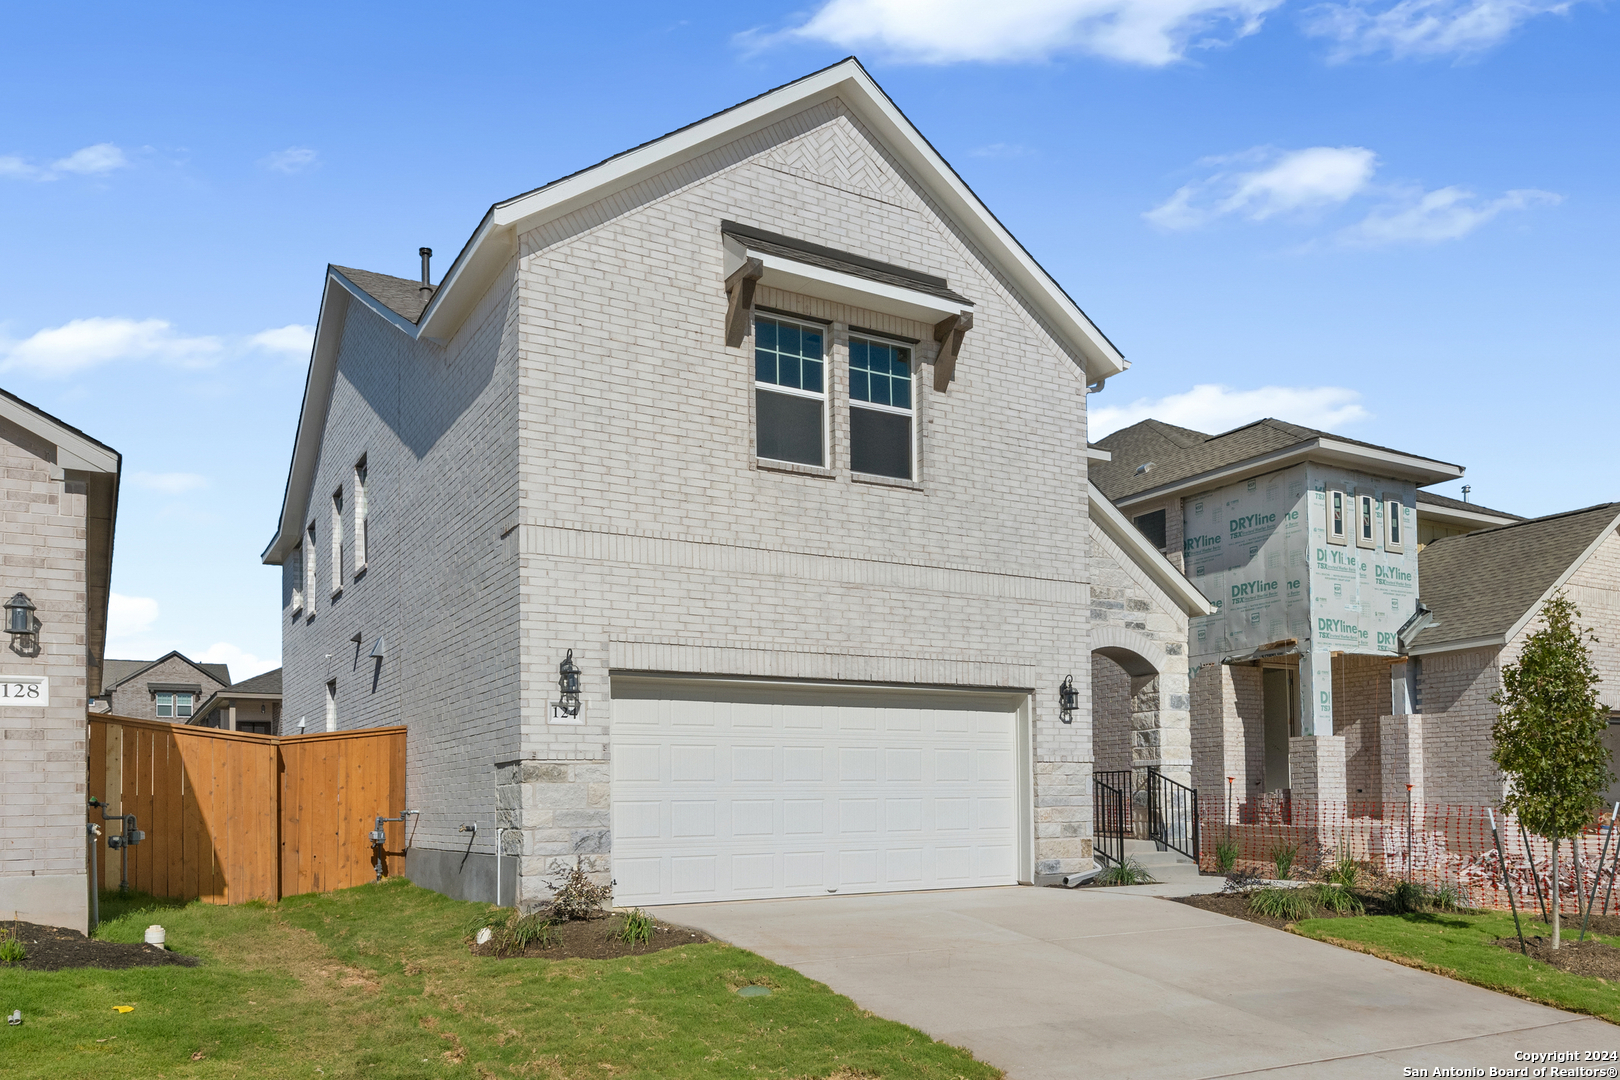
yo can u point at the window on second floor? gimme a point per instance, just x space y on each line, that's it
790 391
1366 521
337 541
310 576
1338 527
1152 526
881 416
362 512
1394 537
174 706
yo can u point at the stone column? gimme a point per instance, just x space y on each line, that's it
563 809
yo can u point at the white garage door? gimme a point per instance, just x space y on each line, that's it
725 791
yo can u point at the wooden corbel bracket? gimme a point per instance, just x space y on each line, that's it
949 333
740 289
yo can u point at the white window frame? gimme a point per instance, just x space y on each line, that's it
174 704
311 570
337 543
298 580
361 516
825 396
1343 536
910 411
158 705
331 705
1394 526
1366 520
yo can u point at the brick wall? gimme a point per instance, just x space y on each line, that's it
1110 714
1456 691
42 749
1595 590
1360 696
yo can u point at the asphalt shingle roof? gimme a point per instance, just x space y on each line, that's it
1179 453
114 672
400 295
268 683
831 259
1458 504
1481 583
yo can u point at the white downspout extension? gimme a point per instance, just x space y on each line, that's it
498 833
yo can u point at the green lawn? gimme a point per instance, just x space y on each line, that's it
1462 945
376 982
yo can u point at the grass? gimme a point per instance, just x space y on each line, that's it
1461 945
377 981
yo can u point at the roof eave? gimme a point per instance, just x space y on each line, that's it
1151 560
1447 515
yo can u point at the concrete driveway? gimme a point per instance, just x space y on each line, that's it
1058 983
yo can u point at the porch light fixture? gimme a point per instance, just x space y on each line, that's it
20 615
568 683
1068 700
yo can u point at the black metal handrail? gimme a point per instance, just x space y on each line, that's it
1172 814
1110 815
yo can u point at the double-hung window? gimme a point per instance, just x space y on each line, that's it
1338 513
1366 521
790 391
171 706
881 416
1394 538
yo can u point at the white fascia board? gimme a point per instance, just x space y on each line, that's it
73 451
1145 555
796 277
1097 453
1327 451
495 238
1489 641
1450 515
1563 579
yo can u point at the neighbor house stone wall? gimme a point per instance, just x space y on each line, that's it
42 748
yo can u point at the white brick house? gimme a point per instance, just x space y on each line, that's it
776 432
61 502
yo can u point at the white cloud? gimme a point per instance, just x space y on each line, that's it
100 158
1424 28
293 340
76 346
291 160
244 665
1213 408
128 617
169 483
88 161
1428 217
1286 182
1148 32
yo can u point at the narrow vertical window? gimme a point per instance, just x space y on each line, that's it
310 576
1337 533
337 541
880 409
1366 527
331 705
1393 537
790 392
361 511
295 570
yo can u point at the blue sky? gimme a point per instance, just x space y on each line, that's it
1396 220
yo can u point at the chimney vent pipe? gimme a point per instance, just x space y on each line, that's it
427 280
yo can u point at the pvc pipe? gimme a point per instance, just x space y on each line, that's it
498 833
155 936
1071 880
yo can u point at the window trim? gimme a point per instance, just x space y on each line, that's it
913 369
1342 537
825 396
298 581
331 705
337 543
1366 526
311 570
1394 526
361 516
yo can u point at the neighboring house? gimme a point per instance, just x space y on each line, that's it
1486 590
252 705
61 504
1307 544
771 432
169 688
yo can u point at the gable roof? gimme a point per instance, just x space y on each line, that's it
400 295
1485 586
1149 559
129 669
267 685
1181 458
494 243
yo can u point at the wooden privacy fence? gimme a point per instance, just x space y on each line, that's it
231 817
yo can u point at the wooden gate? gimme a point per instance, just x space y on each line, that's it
231 817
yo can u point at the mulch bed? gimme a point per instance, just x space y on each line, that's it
51 948
594 939
1236 905
1593 958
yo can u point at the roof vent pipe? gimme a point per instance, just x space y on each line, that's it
427 280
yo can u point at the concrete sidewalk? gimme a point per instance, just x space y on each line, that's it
1066 983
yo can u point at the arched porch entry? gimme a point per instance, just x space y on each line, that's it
1140 711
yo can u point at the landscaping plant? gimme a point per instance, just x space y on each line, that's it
576 896
1338 899
637 928
1129 872
1344 871
1289 904
1548 734
1226 854
11 948
1284 855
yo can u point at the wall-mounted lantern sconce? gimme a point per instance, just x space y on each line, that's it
1068 700
568 683
20 624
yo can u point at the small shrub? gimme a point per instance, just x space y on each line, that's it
637 928
1129 872
516 932
1446 898
1345 871
1242 879
576 897
1338 899
1226 854
1407 897
1284 855
11 948
1290 905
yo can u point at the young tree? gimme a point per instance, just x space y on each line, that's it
1549 732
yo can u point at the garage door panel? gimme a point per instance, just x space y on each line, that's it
716 799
